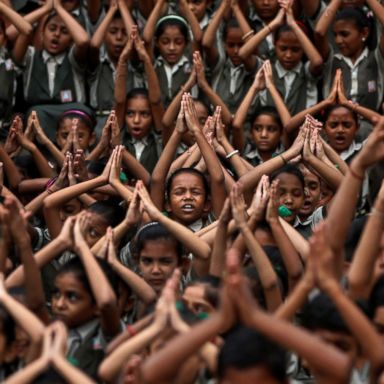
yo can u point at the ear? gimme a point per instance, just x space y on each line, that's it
207 206
365 32
185 265
167 206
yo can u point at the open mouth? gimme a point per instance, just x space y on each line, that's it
188 208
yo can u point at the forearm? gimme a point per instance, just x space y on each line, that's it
126 15
154 91
22 25
98 36
55 152
120 81
335 158
197 33
282 109
69 372
149 29
377 9
241 19
250 47
10 169
29 373
41 163
327 17
217 264
299 242
139 286
135 167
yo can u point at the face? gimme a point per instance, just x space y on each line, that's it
257 374
96 229
288 50
341 129
198 8
266 9
115 39
85 136
71 208
157 261
291 194
56 36
349 39
187 200
71 302
266 133
194 299
232 45
312 192
171 44
138 117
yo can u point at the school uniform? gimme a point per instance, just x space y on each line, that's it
172 78
306 227
266 49
252 155
146 150
51 79
231 83
297 87
363 80
102 87
86 347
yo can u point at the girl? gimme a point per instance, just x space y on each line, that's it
55 74
171 37
361 64
231 76
293 79
141 110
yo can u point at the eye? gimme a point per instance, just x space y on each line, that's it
145 261
72 296
93 233
166 261
55 294
130 114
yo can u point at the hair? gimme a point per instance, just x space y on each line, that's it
76 267
280 30
245 348
231 23
172 21
151 232
7 326
192 171
84 117
137 92
329 110
110 210
49 18
269 111
357 16
290 169
321 313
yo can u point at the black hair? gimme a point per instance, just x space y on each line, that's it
320 313
151 232
76 267
49 18
96 167
169 21
110 210
269 111
329 110
231 23
26 165
210 285
291 169
83 116
245 348
280 30
192 171
137 92
7 326
361 20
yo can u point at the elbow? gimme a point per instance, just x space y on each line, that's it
104 372
319 34
83 43
108 303
28 29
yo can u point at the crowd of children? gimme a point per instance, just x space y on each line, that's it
192 191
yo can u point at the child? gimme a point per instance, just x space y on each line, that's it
293 79
171 37
231 76
361 64
55 74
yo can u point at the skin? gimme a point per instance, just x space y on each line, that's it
71 302
70 5
85 135
56 36
198 7
349 39
266 9
341 129
232 45
266 134
202 115
73 207
256 374
312 193
194 299
96 229
171 44
288 50
138 117
115 39
158 259
291 194
187 200
378 320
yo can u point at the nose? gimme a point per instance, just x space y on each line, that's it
60 302
288 200
136 118
172 45
339 128
156 268
119 35
264 132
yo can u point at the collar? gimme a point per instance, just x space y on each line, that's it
104 58
196 226
254 153
253 16
281 72
161 61
354 147
204 21
76 12
58 58
348 61
144 140
84 330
